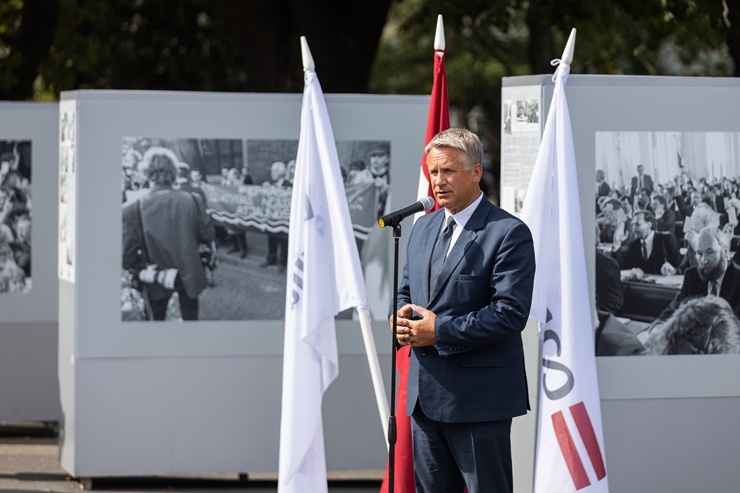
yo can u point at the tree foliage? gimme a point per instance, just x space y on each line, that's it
488 40
49 46
218 45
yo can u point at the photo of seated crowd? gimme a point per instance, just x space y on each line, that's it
15 217
667 243
205 223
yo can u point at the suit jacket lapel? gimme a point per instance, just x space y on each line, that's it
431 233
466 238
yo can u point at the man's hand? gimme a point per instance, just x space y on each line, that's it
416 333
667 269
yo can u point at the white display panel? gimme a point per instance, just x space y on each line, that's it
106 121
27 137
655 108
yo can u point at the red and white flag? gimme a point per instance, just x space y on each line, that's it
570 444
438 119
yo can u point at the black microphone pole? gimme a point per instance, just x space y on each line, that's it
392 417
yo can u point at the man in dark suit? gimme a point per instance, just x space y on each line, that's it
463 315
602 187
651 252
714 273
641 182
609 296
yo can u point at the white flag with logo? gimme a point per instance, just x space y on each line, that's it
570 445
323 278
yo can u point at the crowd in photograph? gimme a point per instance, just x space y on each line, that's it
685 227
15 222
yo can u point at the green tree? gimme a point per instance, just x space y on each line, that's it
49 46
491 40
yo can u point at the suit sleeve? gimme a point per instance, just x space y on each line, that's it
132 240
404 289
505 313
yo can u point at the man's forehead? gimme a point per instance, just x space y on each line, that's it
707 241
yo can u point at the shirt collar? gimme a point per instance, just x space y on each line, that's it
462 217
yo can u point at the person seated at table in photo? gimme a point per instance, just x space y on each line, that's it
704 325
609 296
733 209
614 226
703 216
671 202
651 252
714 273
665 220
602 187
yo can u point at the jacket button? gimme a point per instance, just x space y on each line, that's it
423 353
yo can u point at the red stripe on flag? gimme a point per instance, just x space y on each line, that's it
586 429
570 454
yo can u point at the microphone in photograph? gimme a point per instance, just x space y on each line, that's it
424 204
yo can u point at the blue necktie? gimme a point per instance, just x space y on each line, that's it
440 251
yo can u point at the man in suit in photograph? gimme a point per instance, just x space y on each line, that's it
462 304
641 182
714 272
651 252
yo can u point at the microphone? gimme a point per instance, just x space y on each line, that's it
424 204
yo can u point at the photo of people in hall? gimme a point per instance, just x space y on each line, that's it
15 217
205 225
667 243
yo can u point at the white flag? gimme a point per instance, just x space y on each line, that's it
323 278
570 451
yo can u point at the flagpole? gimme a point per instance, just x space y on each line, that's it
569 47
363 312
372 360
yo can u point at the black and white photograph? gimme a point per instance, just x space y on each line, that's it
15 217
67 192
205 224
667 236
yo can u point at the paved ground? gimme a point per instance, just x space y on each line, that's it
29 462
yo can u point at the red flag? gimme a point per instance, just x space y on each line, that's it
438 119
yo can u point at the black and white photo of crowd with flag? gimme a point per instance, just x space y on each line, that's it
15 217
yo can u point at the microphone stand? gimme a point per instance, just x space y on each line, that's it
392 417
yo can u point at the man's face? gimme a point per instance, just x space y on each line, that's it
379 163
454 186
640 169
657 207
711 260
277 171
642 227
609 210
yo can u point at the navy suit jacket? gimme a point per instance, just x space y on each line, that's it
665 249
475 372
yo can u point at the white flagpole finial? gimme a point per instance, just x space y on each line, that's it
439 36
569 47
306 55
